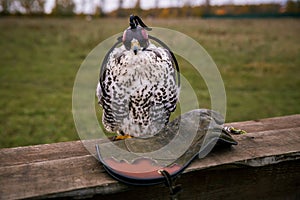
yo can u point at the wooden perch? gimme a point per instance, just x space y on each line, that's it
264 165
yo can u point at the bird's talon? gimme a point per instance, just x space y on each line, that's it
235 131
122 137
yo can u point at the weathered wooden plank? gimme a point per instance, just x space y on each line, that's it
67 169
40 153
271 182
47 152
274 123
256 149
54 176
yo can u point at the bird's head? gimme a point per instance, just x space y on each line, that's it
135 38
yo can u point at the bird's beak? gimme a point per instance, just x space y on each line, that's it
135 46
135 50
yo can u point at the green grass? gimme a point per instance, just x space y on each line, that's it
259 61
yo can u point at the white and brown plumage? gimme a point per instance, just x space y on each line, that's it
137 87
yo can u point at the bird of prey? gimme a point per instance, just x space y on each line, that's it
137 88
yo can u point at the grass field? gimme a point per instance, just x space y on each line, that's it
259 60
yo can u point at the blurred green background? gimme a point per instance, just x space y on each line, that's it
259 60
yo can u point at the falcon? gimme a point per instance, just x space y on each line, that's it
137 88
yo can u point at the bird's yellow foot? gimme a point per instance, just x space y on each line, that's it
122 137
233 130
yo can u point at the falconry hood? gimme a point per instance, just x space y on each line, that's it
135 37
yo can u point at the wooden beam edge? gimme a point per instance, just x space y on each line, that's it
269 158
112 186
117 187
